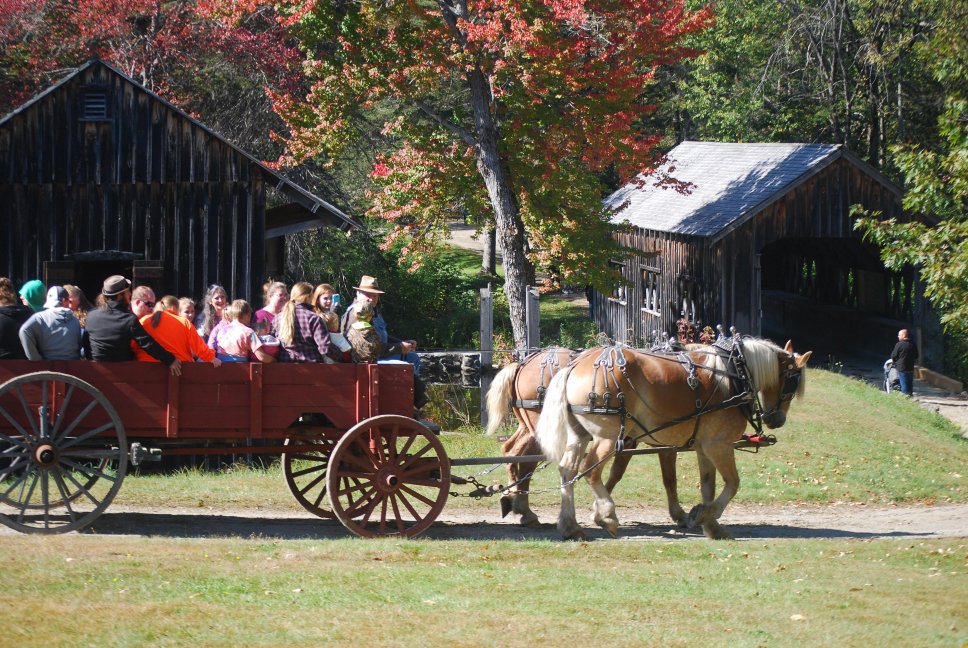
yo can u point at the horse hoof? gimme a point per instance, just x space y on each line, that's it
715 531
696 516
611 526
572 533
680 518
530 521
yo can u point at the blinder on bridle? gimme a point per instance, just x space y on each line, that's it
792 374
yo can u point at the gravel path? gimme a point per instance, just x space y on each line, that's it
747 523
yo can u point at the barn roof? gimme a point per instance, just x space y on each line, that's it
315 212
726 184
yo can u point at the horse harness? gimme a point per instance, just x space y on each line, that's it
746 396
550 363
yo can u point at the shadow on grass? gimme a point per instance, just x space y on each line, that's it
204 525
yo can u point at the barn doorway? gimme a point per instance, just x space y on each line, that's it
833 296
88 270
90 275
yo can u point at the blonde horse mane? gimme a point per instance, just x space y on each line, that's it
764 364
761 360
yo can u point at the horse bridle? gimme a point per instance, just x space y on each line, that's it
792 374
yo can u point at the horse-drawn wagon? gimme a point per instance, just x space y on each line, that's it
349 446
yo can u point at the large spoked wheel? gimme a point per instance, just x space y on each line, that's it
388 475
63 453
305 472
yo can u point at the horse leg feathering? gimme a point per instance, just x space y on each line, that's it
520 444
594 463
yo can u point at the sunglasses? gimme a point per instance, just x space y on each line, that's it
149 304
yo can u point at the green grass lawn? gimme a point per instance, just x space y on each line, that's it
845 442
468 261
123 591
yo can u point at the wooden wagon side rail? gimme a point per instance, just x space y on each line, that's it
236 401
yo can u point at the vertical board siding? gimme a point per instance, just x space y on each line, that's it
146 182
818 208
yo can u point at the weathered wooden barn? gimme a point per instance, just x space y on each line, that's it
760 237
100 176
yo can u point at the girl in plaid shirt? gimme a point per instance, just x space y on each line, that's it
300 330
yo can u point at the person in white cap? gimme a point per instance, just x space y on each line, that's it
53 333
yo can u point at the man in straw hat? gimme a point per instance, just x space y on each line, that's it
394 350
111 328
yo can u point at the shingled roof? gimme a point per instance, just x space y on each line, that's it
725 185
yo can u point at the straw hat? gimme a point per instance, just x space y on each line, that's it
369 284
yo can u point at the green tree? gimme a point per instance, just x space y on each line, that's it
835 71
936 183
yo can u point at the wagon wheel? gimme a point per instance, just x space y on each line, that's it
63 453
305 472
388 475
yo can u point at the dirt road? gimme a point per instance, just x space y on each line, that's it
747 523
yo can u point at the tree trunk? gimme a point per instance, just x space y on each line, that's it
489 260
509 228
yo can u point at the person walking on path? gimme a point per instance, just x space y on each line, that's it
904 355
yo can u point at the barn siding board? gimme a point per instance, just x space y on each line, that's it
731 268
146 183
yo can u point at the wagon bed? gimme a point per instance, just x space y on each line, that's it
69 431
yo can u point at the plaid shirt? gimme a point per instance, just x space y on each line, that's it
310 339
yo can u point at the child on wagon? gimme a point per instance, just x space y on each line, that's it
235 341
363 336
174 332
323 304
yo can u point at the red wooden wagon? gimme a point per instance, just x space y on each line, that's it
70 430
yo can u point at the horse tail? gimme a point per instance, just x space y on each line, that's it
499 397
552 429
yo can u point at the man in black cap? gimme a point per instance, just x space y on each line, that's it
110 329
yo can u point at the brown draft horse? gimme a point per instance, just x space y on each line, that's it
702 398
519 389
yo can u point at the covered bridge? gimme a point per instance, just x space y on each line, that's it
760 237
100 176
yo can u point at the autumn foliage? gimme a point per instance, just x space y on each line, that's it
172 47
504 111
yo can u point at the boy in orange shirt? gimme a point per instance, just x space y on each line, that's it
175 333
